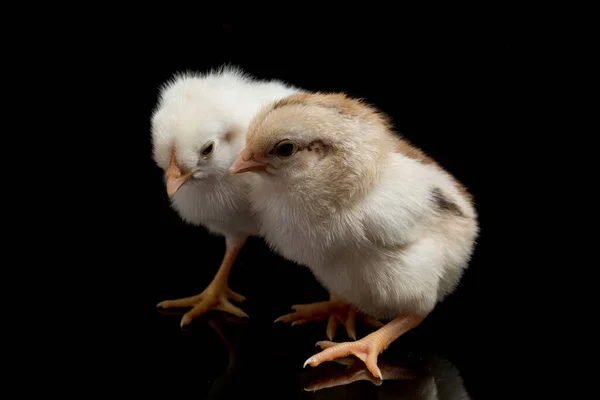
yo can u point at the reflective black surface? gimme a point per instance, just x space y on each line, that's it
221 356
449 94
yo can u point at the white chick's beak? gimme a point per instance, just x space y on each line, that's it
246 162
175 178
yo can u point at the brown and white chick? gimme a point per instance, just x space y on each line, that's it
381 225
198 128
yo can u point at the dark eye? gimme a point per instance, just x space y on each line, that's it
207 149
285 149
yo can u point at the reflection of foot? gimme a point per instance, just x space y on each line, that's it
336 311
219 323
358 372
214 297
369 347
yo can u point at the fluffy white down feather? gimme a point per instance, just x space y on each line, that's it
194 109
391 249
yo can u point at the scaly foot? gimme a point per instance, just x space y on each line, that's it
214 297
368 348
336 311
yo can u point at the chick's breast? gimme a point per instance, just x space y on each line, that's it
222 207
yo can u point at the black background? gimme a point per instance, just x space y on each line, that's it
449 88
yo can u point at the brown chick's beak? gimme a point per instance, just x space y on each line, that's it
175 178
246 162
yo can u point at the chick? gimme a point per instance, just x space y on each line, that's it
380 224
198 128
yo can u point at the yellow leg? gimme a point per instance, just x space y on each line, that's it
368 348
216 296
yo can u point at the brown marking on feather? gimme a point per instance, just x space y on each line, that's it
359 108
402 247
444 203
410 151
299 98
316 145
395 247
407 149
339 101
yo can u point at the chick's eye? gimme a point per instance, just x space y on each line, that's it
206 150
285 149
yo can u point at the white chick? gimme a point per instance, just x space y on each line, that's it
380 224
198 128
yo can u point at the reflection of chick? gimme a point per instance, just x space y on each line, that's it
447 380
355 371
224 325
438 379
380 224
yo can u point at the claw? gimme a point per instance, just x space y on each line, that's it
180 303
309 361
325 344
332 326
226 306
350 324
238 298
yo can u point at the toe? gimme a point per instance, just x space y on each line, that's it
372 322
331 352
173 304
287 318
373 368
365 351
180 303
301 313
351 325
332 326
226 306
325 344
238 298
196 312
371 363
185 320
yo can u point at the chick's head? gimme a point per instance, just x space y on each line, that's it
194 137
326 138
